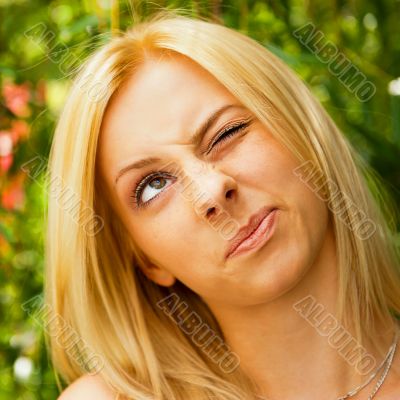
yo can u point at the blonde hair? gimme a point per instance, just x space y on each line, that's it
93 281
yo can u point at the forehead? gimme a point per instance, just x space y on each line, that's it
160 105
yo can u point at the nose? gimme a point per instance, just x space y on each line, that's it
210 189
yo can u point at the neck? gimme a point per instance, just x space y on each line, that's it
285 353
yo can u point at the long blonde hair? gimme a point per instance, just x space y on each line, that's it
93 282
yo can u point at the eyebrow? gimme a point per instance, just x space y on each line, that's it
194 140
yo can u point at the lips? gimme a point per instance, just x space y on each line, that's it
246 230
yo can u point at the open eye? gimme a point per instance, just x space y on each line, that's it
147 189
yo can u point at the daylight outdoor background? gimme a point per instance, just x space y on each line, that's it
41 43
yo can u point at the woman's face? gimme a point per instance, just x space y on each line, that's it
154 114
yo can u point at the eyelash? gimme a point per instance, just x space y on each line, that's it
144 180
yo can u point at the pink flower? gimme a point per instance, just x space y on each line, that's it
16 98
6 143
13 196
5 163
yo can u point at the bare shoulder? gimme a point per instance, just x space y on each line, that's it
88 387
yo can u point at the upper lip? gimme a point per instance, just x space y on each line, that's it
245 231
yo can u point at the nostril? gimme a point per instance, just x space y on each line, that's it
210 211
229 194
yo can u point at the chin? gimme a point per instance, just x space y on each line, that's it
278 278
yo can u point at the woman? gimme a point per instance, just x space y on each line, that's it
233 249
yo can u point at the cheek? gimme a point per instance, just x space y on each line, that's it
261 162
175 244
270 166
307 225
169 238
304 215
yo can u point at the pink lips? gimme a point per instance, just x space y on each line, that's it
259 229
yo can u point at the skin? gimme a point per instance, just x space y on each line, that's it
251 295
132 129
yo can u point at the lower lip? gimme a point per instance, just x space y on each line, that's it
259 237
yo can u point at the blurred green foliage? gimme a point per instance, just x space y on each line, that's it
42 42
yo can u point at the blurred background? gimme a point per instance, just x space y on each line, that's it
43 42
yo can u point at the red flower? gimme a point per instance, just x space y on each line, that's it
13 196
5 163
16 98
4 245
19 130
